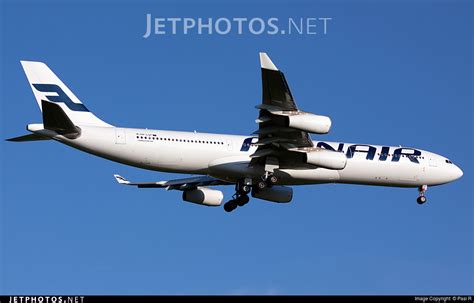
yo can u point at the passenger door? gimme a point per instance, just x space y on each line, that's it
120 136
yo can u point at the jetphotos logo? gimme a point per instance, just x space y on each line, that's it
160 26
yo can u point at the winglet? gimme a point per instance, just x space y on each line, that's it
266 62
121 179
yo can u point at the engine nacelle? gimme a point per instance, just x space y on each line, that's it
204 196
327 159
310 123
276 193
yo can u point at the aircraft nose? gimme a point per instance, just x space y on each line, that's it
456 172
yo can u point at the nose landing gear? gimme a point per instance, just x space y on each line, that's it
422 198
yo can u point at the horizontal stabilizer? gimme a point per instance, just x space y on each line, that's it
30 137
54 118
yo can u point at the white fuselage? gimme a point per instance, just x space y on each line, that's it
227 157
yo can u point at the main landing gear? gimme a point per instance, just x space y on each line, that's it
268 180
422 198
240 198
242 189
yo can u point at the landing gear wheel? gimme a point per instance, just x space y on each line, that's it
273 179
421 200
230 206
242 200
261 184
245 189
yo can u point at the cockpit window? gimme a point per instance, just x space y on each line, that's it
448 161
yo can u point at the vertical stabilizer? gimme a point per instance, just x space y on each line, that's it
48 87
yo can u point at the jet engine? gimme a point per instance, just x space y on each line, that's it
276 193
327 159
203 196
310 123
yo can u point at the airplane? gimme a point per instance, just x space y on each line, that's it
279 154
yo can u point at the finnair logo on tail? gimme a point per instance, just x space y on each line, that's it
61 96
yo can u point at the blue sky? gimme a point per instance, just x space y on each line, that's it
386 73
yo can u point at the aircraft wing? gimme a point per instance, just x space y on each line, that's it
177 184
275 138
